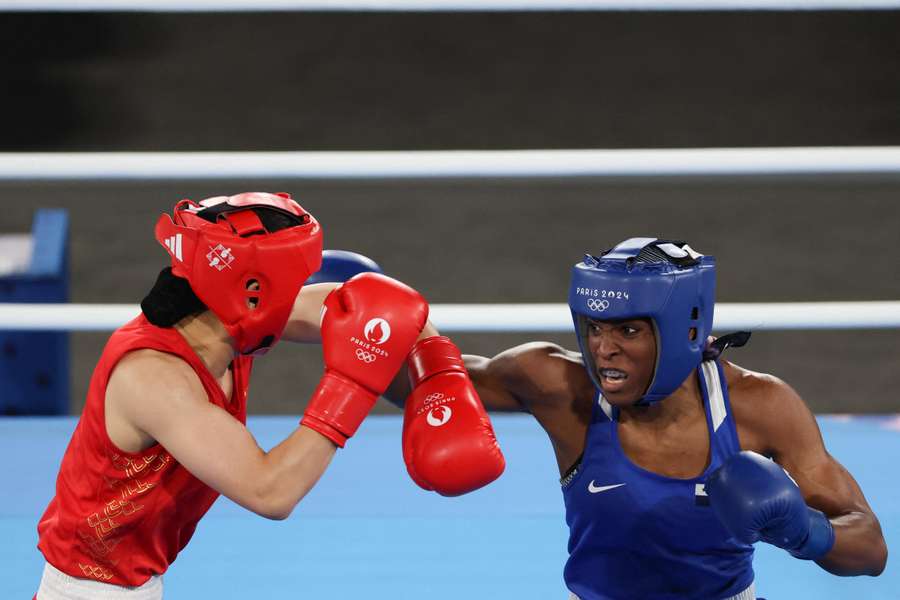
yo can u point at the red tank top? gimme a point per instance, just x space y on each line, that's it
122 517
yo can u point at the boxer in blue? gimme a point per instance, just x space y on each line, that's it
674 461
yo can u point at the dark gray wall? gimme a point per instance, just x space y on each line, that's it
418 81
378 81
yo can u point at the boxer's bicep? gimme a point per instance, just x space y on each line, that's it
490 378
797 445
524 378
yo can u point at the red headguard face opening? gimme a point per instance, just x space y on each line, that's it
246 275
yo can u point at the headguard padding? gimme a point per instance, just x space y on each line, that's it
664 281
245 273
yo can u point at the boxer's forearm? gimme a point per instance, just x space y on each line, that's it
304 322
291 469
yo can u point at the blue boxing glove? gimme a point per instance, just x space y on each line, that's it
755 499
341 265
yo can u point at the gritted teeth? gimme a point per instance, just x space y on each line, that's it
613 374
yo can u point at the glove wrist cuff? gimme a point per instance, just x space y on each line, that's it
433 355
324 429
338 407
820 539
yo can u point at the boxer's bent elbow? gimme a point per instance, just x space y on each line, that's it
880 560
277 513
282 477
273 506
863 549
874 550
272 497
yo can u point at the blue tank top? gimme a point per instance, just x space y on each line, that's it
634 534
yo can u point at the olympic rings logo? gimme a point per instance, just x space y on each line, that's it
434 397
366 357
597 305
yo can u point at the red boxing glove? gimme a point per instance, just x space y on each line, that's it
448 441
368 326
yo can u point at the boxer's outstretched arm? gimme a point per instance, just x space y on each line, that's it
531 377
487 375
491 377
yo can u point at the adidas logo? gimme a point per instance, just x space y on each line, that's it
174 245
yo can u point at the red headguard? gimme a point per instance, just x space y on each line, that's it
246 275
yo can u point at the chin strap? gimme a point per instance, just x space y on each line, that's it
731 340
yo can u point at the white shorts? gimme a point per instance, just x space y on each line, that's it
748 594
56 585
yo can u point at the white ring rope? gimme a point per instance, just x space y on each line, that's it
440 5
508 318
450 163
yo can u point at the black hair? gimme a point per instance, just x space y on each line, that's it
170 300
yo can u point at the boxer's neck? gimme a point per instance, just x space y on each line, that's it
206 335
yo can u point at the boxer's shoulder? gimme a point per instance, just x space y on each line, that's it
147 365
765 407
148 373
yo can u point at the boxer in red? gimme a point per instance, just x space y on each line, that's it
163 430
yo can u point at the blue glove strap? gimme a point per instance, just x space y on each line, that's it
820 539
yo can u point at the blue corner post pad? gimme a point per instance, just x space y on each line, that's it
34 365
49 232
341 265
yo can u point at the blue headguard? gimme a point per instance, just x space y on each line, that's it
665 281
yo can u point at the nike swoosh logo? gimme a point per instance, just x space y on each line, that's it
597 489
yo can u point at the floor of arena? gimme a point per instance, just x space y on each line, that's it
366 531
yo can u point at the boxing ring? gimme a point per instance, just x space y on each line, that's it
366 531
